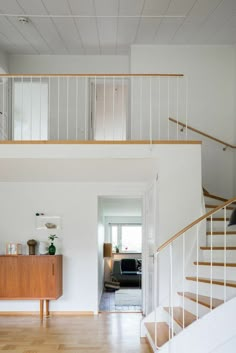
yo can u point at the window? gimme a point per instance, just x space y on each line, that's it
30 109
127 237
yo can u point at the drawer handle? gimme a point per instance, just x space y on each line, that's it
53 269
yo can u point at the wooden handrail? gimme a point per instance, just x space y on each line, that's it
99 142
92 75
226 144
198 220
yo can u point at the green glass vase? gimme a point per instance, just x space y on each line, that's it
52 249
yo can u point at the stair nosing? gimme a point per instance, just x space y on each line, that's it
221 233
214 281
199 300
207 263
218 248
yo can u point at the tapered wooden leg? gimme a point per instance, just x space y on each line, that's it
47 307
41 309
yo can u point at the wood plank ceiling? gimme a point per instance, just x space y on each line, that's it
112 26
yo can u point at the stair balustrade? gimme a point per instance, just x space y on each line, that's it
195 273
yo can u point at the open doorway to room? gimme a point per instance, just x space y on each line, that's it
120 225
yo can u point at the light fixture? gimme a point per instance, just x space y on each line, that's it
107 250
24 20
232 220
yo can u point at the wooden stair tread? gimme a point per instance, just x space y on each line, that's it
202 299
178 314
221 233
162 332
207 263
218 248
219 282
214 206
221 219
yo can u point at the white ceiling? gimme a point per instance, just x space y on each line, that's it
112 26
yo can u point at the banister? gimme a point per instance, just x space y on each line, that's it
198 220
91 74
226 144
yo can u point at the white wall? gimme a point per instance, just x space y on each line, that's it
77 204
66 64
179 191
211 80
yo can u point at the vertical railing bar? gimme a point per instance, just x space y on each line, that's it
150 110
225 254
211 267
155 298
186 109
169 316
86 107
122 107
3 109
104 106
159 108
95 106
40 108
12 109
171 289
7 109
141 108
131 108
168 107
183 274
58 107
177 107
22 105
76 107
67 107
113 108
49 106
197 292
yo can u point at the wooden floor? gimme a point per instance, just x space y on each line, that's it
104 333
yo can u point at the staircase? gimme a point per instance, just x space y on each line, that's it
208 283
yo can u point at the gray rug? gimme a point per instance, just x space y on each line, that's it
128 297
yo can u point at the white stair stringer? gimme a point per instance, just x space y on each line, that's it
208 334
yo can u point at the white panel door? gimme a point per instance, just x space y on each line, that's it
109 110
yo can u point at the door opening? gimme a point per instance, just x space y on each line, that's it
120 274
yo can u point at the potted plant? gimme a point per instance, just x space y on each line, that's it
52 248
117 248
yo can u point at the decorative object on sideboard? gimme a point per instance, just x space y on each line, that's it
52 248
32 244
43 247
13 249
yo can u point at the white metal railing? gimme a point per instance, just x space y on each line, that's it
179 266
91 107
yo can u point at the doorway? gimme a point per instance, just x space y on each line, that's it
120 225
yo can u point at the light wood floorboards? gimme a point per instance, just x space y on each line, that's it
104 333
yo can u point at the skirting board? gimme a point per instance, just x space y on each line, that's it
52 313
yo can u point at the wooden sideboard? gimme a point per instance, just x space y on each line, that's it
31 277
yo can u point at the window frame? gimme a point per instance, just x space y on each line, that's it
119 235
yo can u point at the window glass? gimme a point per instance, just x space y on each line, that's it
127 237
